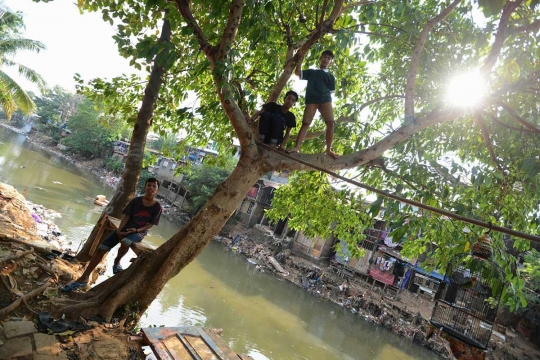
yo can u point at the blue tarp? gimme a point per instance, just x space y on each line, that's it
433 274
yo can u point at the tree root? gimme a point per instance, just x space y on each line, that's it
17 256
16 303
48 270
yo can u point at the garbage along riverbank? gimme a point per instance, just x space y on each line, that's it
407 315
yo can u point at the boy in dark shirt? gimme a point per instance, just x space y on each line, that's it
321 84
275 119
140 214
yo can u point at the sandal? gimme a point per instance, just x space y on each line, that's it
73 286
116 269
53 255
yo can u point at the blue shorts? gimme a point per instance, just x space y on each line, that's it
112 240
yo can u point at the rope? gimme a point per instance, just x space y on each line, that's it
487 225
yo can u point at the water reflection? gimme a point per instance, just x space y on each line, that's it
262 316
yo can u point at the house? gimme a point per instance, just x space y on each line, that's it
258 199
121 148
166 171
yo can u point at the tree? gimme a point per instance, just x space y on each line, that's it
56 105
91 132
12 96
201 182
230 54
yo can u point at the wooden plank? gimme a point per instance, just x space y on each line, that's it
276 264
176 348
202 349
188 342
227 352
114 222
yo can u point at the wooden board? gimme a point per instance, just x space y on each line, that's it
187 343
276 264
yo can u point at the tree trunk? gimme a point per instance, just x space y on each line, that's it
140 284
128 184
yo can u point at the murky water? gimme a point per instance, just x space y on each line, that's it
261 315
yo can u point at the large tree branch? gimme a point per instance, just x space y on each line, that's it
231 29
311 39
485 135
183 7
500 36
364 156
224 88
347 119
519 119
415 59
532 27
495 120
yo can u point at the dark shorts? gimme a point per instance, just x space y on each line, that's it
271 127
112 240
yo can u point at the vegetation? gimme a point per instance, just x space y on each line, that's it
114 165
12 96
396 58
56 105
532 274
145 174
201 182
92 133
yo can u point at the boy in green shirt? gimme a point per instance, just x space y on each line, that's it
321 84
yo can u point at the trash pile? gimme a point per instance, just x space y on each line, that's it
50 232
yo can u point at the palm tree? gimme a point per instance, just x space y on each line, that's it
12 96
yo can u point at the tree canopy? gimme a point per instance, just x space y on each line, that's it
396 128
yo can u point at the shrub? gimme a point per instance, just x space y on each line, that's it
114 165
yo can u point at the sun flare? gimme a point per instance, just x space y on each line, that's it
466 90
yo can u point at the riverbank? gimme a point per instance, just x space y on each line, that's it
406 315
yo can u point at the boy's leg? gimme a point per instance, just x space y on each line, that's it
327 114
264 125
121 252
107 244
276 129
96 259
309 113
125 244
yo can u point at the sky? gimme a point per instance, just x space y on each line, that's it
75 44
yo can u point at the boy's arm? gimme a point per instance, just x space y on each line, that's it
123 223
285 138
144 228
332 85
255 116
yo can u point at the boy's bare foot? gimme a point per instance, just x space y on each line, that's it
292 151
332 154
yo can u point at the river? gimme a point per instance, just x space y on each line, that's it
261 315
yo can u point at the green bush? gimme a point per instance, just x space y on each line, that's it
145 174
114 165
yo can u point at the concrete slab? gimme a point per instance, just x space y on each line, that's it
17 348
18 328
47 344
